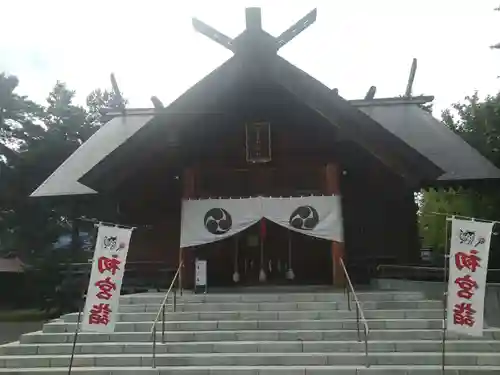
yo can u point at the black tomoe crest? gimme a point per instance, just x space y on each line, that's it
218 221
304 218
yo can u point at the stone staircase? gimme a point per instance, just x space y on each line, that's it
280 333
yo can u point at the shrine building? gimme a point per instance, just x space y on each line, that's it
268 174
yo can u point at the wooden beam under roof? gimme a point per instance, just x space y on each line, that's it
422 99
356 102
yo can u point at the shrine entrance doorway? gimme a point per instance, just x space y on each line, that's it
286 258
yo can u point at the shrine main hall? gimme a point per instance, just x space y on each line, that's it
266 173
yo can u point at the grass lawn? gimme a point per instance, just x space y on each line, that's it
23 315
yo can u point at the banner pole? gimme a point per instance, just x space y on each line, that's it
459 217
445 295
80 312
75 337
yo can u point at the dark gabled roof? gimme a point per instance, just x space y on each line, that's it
397 134
353 123
210 96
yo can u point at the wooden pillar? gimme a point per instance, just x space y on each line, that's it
332 180
186 275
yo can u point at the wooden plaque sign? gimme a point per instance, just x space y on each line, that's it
258 142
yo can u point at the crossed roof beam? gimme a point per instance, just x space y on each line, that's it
254 24
253 20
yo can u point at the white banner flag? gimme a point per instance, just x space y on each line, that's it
469 251
210 220
313 216
103 294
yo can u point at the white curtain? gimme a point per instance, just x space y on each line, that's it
313 216
205 221
210 220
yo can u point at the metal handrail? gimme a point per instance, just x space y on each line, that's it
161 313
420 272
402 266
360 316
427 268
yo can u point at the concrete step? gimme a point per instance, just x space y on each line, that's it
285 306
252 335
273 315
157 298
228 325
264 370
403 346
253 359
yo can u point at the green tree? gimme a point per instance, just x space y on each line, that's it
478 123
97 101
19 121
36 140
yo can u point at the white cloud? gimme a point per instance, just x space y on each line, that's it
153 49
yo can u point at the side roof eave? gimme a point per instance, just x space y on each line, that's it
64 180
427 135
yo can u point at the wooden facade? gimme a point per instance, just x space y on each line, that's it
374 153
202 150
308 158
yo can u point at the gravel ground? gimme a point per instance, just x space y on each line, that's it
10 331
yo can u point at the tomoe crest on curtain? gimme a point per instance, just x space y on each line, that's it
304 218
209 220
218 221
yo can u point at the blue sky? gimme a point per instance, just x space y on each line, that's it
153 49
